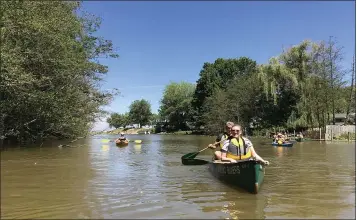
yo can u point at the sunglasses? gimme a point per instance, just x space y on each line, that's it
236 130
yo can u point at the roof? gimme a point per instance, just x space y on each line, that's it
340 115
343 115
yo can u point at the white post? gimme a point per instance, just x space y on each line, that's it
320 133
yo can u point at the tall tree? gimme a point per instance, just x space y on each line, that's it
351 97
176 104
215 112
336 74
118 120
50 77
218 75
140 112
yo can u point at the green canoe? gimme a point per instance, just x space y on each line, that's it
248 175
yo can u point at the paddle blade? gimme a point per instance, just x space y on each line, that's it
190 155
188 161
105 140
137 141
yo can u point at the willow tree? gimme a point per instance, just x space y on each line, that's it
313 70
50 78
273 74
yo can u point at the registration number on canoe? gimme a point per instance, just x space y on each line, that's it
229 170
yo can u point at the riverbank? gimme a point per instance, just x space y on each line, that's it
144 131
129 131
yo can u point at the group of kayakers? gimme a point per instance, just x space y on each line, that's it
280 138
232 146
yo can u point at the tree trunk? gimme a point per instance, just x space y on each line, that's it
331 81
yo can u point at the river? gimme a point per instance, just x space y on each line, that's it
98 180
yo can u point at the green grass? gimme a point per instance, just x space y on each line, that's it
344 136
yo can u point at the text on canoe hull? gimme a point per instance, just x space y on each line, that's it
232 169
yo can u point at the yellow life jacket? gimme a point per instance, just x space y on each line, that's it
237 145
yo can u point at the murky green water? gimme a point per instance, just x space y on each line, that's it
309 180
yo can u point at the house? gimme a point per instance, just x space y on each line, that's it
133 126
340 118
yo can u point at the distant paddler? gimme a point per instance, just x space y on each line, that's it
121 139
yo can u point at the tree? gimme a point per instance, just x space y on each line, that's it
334 57
118 120
140 112
352 98
50 77
176 104
218 76
215 114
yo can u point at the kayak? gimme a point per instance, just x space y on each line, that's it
121 143
248 175
282 145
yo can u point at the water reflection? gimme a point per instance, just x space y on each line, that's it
137 148
281 151
43 182
305 183
309 180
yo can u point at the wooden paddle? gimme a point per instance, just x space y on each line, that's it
188 159
193 154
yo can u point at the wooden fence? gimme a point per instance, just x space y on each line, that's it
334 131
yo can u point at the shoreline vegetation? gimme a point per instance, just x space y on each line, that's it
50 84
341 138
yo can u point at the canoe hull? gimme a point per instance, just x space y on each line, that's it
283 145
248 175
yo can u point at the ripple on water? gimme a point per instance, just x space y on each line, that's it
308 181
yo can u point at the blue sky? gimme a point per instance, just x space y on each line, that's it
160 42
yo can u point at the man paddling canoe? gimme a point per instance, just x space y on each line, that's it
237 148
220 139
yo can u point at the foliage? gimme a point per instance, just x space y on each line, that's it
218 75
154 118
140 112
50 78
301 88
118 120
176 104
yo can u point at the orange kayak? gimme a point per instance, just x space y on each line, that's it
121 142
